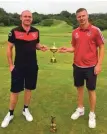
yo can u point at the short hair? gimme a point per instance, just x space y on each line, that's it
80 9
25 11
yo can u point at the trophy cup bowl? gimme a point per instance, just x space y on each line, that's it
53 50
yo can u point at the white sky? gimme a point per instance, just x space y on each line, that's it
53 6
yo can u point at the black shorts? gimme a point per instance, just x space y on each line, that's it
23 78
81 74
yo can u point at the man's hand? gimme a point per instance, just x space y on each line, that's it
97 69
41 47
44 48
63 50
11 67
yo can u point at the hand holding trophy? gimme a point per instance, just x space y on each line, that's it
53 49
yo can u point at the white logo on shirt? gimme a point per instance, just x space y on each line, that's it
76 35
89 33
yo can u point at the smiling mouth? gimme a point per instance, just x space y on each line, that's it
82 21
27 21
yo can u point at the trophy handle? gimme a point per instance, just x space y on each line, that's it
52 119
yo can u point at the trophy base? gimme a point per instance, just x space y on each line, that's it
53 60
53 130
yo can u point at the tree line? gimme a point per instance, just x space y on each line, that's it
10 19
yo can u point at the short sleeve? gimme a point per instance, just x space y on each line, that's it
73 41
11 37
38 39
99 38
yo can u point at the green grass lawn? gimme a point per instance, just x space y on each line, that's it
55 94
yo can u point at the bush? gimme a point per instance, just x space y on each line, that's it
46 22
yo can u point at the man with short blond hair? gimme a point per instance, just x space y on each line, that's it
86 39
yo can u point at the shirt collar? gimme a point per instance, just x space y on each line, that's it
86 29
22 29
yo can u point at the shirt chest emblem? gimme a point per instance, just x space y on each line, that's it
76 35
89 33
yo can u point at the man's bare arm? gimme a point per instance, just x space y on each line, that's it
100 59
65 49
71 49
10 56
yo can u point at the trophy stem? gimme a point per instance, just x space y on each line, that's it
53 54
53 59
53 50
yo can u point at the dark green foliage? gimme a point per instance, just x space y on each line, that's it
8 19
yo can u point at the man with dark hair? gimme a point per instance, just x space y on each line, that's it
24 70
86 40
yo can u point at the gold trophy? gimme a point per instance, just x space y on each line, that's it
53 125
53 49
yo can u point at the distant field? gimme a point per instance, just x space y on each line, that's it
55 94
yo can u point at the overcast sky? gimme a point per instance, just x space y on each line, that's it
53 6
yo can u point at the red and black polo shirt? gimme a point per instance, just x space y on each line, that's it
25 45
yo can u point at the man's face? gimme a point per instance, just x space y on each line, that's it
82 17
26 18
